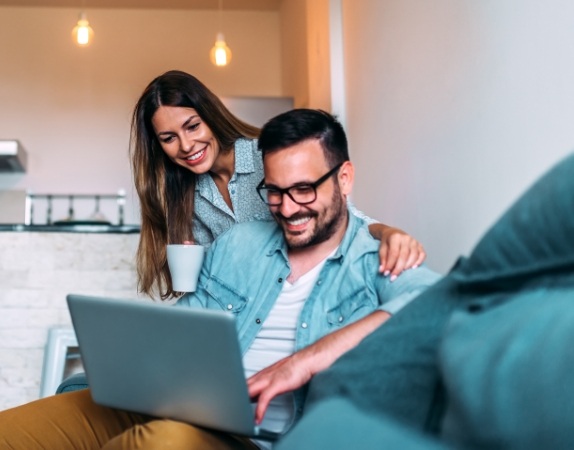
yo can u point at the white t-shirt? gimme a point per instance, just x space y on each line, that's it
275 341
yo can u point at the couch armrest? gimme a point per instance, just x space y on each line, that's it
73 383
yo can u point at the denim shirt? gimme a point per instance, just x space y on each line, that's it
245 268
212 216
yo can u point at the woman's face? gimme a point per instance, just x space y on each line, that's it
185 138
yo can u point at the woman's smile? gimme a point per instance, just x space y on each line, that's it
196 157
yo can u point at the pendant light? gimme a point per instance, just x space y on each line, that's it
83 32
220 54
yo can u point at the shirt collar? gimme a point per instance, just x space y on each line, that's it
245 152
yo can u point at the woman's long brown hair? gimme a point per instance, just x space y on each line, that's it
165 190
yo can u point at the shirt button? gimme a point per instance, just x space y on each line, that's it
233 191
304 325
340 318
258 321
230 306
280 280
319 282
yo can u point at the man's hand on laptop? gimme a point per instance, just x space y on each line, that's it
292 372
284 376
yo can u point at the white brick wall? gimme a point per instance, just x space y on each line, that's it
37 271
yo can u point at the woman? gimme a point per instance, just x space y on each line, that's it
196 167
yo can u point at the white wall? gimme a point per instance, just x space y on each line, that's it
454 107
257 110
71 107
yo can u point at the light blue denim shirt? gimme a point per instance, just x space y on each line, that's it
212 216
245 268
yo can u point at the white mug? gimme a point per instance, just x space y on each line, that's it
184 261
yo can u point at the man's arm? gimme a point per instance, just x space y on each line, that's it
294 371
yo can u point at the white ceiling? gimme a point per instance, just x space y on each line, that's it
253 5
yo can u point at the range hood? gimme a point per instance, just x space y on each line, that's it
13 157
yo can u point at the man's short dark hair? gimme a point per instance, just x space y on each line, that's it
298 125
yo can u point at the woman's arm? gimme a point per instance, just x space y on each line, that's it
398 250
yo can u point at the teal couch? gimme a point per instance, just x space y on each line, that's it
483 359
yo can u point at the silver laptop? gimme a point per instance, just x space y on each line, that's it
165 361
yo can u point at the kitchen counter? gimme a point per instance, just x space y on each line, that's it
37 271
77 228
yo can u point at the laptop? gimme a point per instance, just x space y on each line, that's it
165 361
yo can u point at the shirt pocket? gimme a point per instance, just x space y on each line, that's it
225 297
351 307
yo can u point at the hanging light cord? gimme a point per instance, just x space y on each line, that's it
219 15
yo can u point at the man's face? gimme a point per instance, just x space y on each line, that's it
325 218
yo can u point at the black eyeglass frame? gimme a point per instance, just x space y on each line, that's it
281 191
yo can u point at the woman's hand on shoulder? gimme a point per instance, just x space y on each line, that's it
398 251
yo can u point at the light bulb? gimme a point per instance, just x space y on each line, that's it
220 53
82 32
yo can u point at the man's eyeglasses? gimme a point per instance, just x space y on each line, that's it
302 194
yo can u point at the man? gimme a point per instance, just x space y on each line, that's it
305 289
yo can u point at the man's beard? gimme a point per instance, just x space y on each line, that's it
327 223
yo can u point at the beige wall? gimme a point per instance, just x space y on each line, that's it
318 49
295 67
305 52
70 107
